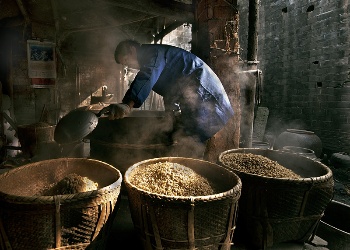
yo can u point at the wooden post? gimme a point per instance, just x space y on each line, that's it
215 40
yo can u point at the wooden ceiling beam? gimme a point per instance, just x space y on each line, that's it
168 9
167 30
23 11
55 15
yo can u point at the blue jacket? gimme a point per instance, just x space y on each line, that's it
182 78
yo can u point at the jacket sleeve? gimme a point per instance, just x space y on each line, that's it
151 66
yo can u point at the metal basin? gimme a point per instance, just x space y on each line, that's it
334 226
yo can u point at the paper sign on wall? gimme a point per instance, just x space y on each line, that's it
41 60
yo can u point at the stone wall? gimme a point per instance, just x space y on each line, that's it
304 49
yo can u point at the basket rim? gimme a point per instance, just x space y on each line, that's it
337 203
327 176
307 150
299 131
132 145
45 199
233 191
28 125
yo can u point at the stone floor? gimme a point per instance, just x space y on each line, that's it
123 234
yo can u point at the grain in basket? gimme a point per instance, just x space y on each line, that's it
257 164
173 179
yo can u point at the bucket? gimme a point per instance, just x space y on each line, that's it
334 226
71 221
186 222
276 210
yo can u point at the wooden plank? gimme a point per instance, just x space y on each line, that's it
260 122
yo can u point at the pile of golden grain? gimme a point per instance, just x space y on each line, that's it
257 164
172 179
70 184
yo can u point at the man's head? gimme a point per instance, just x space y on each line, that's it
126 53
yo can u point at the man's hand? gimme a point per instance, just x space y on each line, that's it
117 111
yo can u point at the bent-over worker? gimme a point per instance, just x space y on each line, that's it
182 79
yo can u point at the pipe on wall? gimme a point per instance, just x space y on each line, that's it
248 86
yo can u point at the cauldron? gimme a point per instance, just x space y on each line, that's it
142 135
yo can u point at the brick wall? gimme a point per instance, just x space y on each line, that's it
79 75
304 49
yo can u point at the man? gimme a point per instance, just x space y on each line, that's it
183 79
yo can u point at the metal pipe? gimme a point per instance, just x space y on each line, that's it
248 90
252 49
253 71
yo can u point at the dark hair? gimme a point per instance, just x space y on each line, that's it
123 48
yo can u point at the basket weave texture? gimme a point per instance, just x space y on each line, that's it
31 135
181 222
73 221
275 210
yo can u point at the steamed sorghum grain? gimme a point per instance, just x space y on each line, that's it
257 164
70 184
172 179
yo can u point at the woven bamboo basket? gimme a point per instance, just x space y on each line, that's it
72 221
275 210
181 222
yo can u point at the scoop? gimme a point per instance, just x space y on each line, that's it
76 125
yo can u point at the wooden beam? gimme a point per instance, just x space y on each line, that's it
70 31
166 9
55 15
167 30
23 11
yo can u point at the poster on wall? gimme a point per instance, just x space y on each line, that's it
41 63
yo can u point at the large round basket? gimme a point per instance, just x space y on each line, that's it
186 222
274 210
72 221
